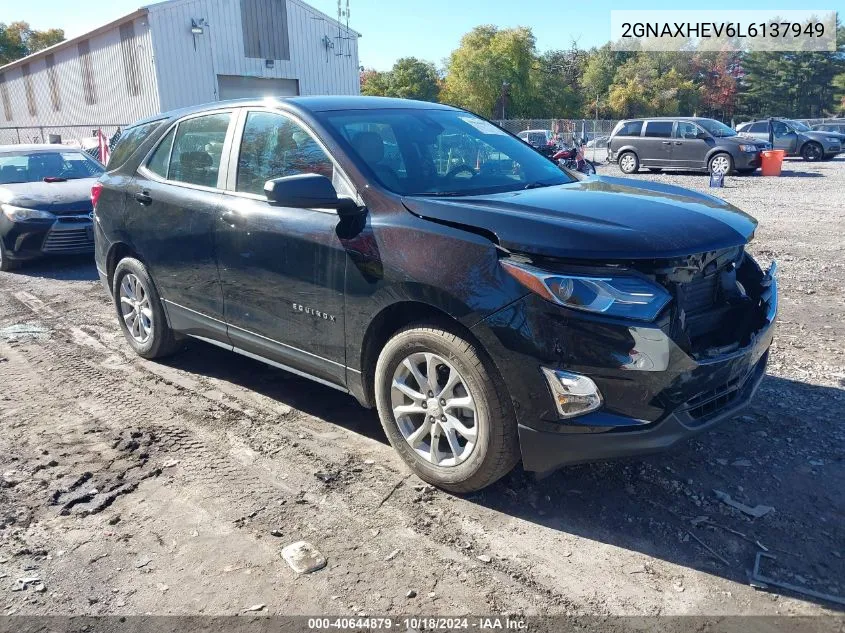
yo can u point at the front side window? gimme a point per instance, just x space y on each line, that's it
275 146
659 129
16 167
196 151
439 152
687 130
780 128
716 128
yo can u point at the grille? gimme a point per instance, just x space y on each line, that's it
699 294
70 240
709 402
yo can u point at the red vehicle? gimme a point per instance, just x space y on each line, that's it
573 158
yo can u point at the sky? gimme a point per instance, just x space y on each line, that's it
428 29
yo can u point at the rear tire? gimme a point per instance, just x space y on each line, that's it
629 163
140 311
428 431
812 152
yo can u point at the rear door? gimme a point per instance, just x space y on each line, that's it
282 269
657 144
171 214
689 151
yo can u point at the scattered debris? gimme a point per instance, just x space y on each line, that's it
709 549
276 533
756 512
256 607
411 594
369 462
758 581
171 463
143 561
392 555
23 583
393 489
484 558
162 587
303 557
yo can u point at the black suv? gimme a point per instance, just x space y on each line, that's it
490 305
688 143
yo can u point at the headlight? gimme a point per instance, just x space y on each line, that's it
19 214
618 295
749 148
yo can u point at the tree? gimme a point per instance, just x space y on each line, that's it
18 40
410 78
490 64
599 70
555 78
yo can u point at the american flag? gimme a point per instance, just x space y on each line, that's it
103 147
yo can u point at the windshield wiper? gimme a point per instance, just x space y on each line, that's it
539 183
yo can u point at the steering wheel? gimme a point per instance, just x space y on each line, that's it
456 170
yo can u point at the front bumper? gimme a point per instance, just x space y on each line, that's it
747 160
655 394
66 235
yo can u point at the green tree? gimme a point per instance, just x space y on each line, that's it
18 40
599 70
491 63
410 78
555 78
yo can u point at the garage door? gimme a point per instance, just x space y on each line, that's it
239 87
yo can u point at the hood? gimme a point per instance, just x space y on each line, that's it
597 218
739 139
60 198
816 135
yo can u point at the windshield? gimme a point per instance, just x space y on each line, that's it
716 128
801 127
440 152
35 166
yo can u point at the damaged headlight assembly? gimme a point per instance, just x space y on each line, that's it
625 296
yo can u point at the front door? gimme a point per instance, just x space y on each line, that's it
690 151
282 269
172 212
656 144
785 138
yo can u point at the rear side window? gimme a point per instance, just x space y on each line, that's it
129 141
629 128
659 129
193 152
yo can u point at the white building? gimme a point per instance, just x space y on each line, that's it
174 54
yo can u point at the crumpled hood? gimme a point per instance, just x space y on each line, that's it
61 198
598 218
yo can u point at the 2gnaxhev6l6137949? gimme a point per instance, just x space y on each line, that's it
490 306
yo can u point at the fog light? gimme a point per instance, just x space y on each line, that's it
574 394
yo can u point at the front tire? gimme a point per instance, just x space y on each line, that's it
6 264
140 312
812 152
443 410
721 163
629 163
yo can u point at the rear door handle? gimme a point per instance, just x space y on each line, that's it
143 197
234 219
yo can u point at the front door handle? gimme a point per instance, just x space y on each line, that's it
667 142
143 197
233 219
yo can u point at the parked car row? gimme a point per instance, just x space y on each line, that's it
703 144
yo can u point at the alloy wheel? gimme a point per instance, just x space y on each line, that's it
434 410
720 165
135 308
627 163
812 152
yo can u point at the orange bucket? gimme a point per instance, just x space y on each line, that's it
772 161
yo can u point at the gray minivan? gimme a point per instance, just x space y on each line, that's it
688 143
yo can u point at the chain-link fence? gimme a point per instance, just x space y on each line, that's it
81 136
569 131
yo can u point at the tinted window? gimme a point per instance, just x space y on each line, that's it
129 141
439 152
659 129
687 130
758 127
630 128
197 150
161 157
275 146
36 166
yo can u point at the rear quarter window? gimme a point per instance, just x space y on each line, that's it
629 128
129 141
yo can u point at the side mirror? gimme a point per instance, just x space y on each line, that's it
702 135
308 191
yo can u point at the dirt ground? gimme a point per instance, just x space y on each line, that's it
135 487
